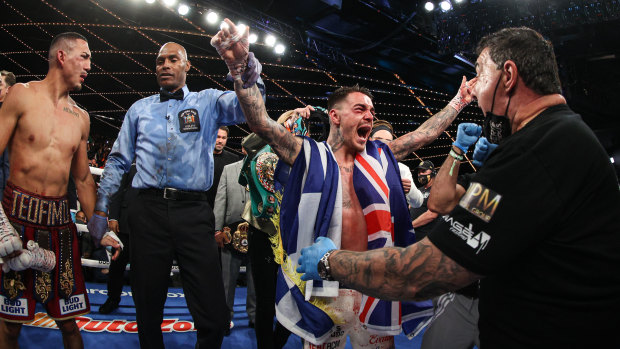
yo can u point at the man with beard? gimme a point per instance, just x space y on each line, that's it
47 134
541 233
221 158
352 189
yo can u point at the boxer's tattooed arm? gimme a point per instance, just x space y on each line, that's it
420 271
426 133
284 143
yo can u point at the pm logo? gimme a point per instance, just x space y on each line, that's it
480 201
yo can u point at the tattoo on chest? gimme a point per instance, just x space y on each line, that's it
347 169
71 112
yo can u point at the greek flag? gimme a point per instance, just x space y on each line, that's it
311 207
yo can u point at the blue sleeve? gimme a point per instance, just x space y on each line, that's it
228 108
119 161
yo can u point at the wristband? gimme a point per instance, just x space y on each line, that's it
456 157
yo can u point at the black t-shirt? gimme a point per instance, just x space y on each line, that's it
219 161
422 231
541 222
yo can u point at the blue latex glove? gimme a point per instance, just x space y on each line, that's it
97 226
467 135
483 149
310 257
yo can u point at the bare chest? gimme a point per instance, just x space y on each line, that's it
49 128
354 230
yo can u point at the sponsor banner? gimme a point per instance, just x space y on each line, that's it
88 324
16 307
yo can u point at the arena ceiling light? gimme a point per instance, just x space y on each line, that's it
212 17
458 1
170 3
429 6
241 28
445 5
252 38
279 49
270 40
149 1
183 9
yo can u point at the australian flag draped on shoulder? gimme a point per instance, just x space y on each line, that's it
312 207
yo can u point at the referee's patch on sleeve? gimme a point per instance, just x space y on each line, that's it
480 201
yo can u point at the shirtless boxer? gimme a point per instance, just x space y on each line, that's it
351 114
47 133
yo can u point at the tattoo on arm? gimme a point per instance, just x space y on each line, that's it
285 144
426 133
419 272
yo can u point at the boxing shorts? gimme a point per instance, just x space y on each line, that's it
47 221
347 307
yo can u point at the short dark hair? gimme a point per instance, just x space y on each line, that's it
9 77
341 93
225 128
61 38
533 55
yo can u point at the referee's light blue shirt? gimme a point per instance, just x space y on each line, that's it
172 142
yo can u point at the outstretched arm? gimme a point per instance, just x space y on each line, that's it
435 125
232 45
284 143
419 272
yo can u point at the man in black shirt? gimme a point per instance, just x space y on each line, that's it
221 158
542 234
424 220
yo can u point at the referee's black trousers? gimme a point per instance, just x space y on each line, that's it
163 230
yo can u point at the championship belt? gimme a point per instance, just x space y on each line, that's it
240 238
258 174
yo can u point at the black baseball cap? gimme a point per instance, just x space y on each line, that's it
426 165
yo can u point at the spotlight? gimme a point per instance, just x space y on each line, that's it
612 160
279 49
212 17
458 1
445 5
183 9
241 28
224 25
149 1
270 40
252 38
170 3
429 6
